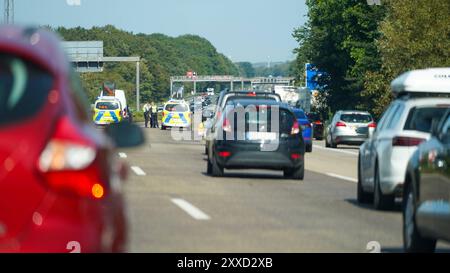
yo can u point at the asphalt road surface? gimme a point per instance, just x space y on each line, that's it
173 206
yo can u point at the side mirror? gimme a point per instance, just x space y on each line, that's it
125 134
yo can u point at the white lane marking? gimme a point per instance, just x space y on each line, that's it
122 155
138 171
335 150
190 209
343 177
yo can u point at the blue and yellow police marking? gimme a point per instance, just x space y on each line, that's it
99 115
168 118
105 114
174 118
183 118
114 116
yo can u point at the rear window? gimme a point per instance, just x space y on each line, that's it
300 115
356 118
420 119
262 117
24 88
106 105
177 108
243 97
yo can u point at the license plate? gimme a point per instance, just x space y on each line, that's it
261 136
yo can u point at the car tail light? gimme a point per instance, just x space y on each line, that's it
407 141
340 124
372 125
67 163
295 128
224 154
318 122
251 94
226 125
296 156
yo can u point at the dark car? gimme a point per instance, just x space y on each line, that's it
225 96
317 125
250 136
426 202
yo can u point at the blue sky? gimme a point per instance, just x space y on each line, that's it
244 30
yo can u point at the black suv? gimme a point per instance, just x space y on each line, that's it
317 124
426 194
257 134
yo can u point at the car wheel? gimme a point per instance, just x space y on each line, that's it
362 196
216 171
209 167
413 242
332 144
297 174
327 143
308 148
381 201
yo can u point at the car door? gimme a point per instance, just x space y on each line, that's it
434 188
368 150
330 127
384 142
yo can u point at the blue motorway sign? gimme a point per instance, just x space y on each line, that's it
313 76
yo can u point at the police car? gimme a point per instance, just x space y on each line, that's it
176 113
107 111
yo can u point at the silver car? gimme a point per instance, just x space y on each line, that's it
349 127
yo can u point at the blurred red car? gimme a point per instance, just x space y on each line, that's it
60 184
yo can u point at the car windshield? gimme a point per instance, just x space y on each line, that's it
421 118
177 108
107 105
24 88
356 118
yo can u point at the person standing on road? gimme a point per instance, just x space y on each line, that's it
154 111
147 109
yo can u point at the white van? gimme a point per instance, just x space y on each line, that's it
119 95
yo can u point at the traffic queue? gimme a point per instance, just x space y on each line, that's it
73 179
404 156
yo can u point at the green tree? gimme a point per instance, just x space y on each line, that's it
339 38
415 35
162 57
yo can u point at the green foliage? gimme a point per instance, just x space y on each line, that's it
162 57
277 70
339 38
415 35
246 69
365 47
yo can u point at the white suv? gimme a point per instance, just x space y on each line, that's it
423 96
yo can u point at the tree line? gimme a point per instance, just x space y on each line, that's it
364 47
161 57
